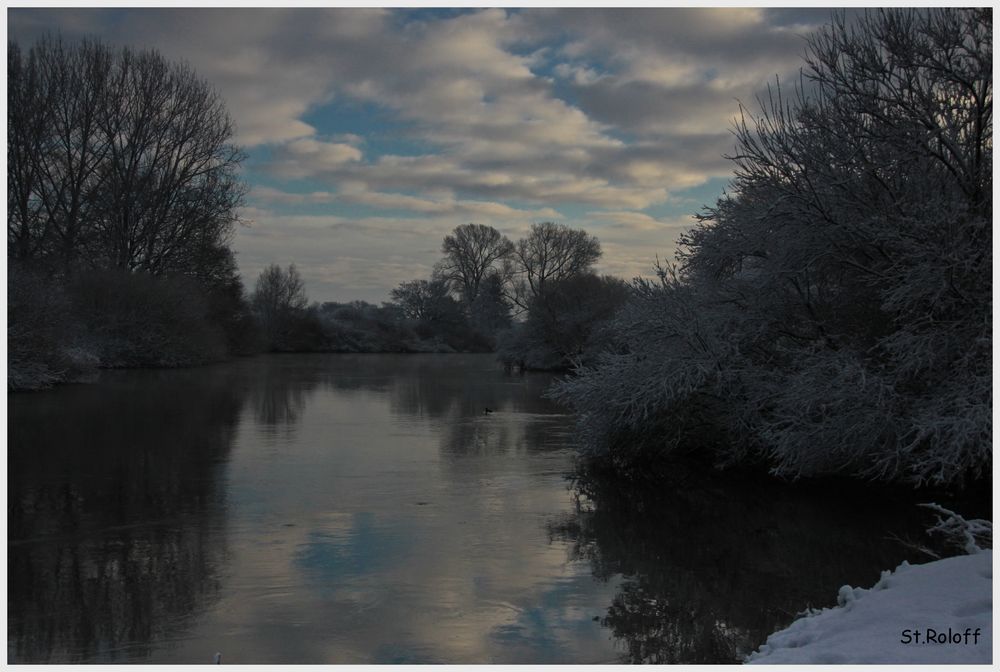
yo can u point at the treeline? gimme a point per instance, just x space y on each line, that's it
121 200
832 314
537 302
123 190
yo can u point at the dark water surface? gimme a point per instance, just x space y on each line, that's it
365 509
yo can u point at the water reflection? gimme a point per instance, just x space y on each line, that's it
366 509
277 395
430 387
711 569
424 538
115 512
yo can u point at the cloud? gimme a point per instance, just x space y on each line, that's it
310 157
670 78
632 242
356 193
270 195
632 221
464 86
497 128
271 66
675 72
446 206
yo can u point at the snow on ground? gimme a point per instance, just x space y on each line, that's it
947 600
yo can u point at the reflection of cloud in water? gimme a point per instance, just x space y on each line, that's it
330 556
557 628
524 606
433 546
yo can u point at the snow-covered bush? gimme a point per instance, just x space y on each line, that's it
972 536
44 340
832 312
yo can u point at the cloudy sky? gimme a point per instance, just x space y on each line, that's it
371 133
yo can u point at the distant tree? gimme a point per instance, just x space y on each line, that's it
422 299
471 253
279 297
550 252
573 310
219 280
490 312
567 325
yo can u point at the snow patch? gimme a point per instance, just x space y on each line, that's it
890 622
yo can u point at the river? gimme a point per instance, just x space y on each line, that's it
369 509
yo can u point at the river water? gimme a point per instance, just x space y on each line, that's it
367 509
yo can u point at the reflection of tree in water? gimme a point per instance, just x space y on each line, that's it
480 436
115 514
519 420
516 433
462 386
429 386
456 389
709 571
280 388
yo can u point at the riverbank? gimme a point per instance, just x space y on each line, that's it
935 613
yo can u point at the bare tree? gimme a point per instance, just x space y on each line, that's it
28 111
551 252
421 299
471 252
120 159
278 297
53 154
172 185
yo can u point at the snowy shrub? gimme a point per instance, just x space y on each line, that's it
666 354
832 312
972 536
44 341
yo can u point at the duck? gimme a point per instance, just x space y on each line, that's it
487 410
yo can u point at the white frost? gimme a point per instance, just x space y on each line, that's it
869 626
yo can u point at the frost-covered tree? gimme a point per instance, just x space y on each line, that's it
832 312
